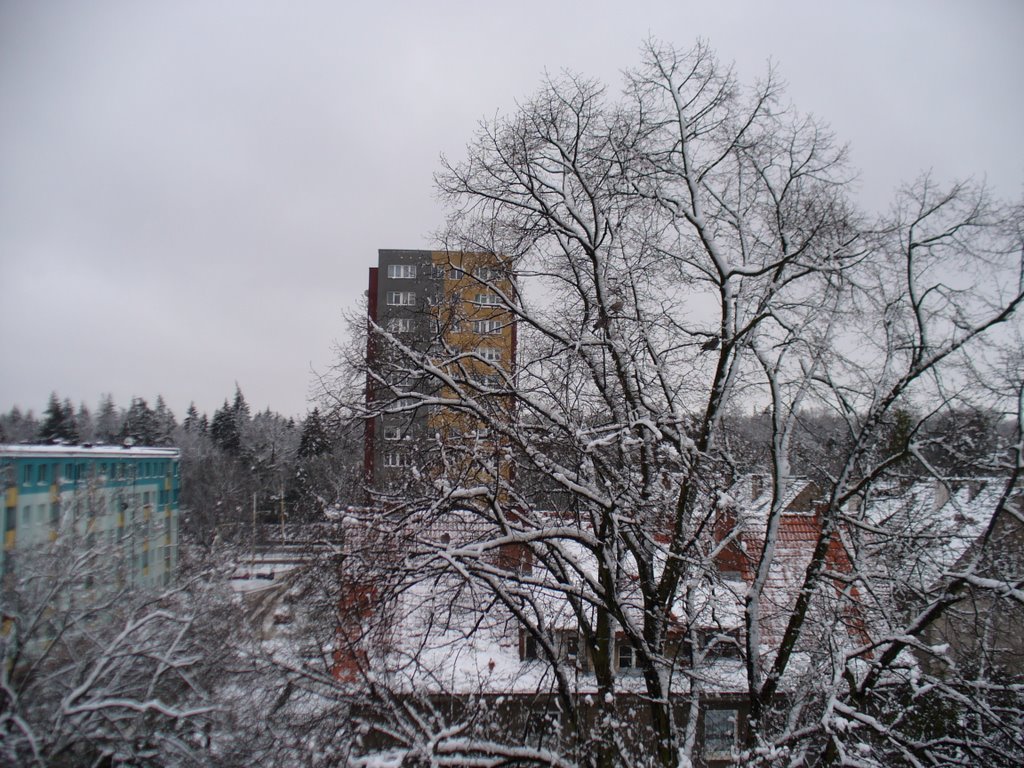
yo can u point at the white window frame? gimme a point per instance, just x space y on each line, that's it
487 299
392 433
570 646
487 273
625 656
396 459
487 327
721 715
402 271
490 354
401 298
399 325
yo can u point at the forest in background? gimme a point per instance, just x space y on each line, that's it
292 469
300 468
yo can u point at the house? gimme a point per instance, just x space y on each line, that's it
957 536
742 526
442 604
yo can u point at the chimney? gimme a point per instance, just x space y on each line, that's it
756 486
940 496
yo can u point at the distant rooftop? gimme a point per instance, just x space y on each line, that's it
87 449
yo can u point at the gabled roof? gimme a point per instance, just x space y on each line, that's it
745 516
920 530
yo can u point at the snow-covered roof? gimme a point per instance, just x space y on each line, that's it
750 504
442 640
86 450
445 634
928 525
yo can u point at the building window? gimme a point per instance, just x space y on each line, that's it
489 299
42 474
570 646
488 381
392 433
396 460
490 354
402 271
487 273
438 271
458 273
401 298
399 324
485 327
26 474
720 733
627 656
725 643
531 649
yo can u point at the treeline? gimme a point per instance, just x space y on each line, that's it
230 463
292 471
959 442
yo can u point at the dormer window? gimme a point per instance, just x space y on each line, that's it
627 656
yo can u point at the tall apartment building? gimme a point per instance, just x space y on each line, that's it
446 304
120 501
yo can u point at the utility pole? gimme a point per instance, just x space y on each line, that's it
252 568
281 498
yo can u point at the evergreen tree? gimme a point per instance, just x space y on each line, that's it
315 440
108 421
58 421
164 422
192 420
68 416
224 430
240 408
84 424
140 423
16 427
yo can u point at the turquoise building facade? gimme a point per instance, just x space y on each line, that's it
121 502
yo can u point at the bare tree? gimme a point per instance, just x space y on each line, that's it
683 250
93 671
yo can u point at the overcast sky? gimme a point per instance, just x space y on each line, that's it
192 192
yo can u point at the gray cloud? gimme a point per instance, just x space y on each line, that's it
191 192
